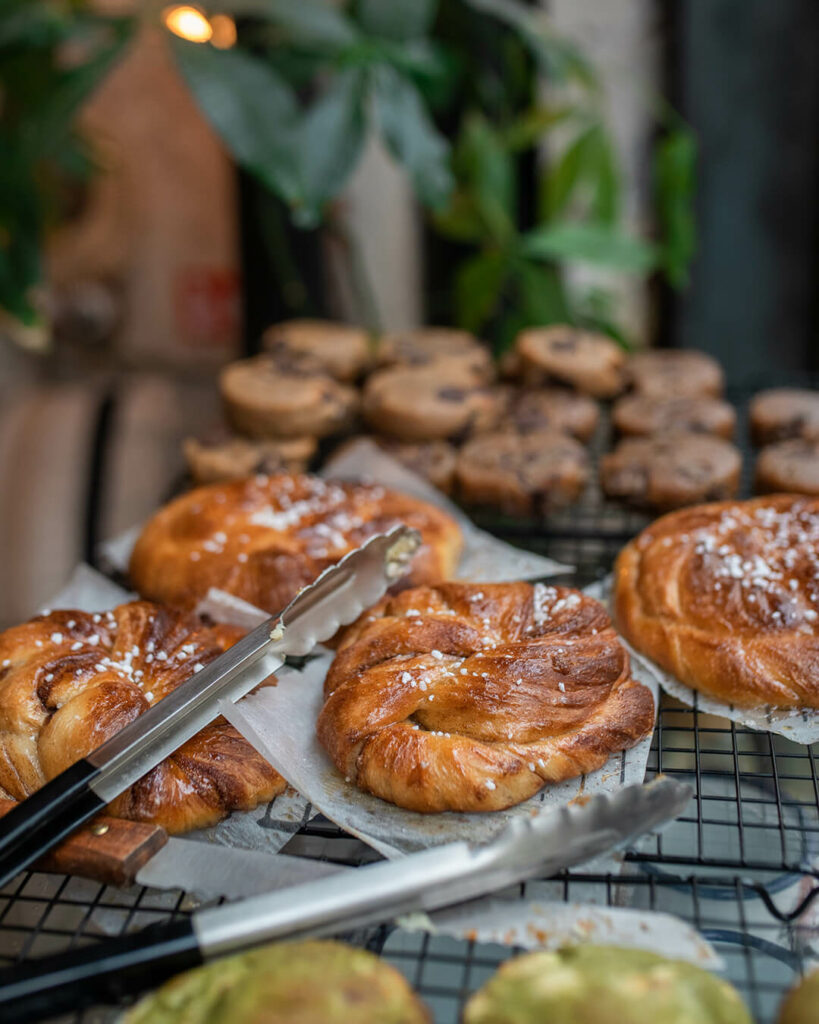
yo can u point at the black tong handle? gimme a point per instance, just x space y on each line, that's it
103 973
38 823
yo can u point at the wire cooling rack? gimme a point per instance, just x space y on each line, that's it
741 866
758 927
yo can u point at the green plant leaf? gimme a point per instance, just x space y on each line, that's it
587 168
541 295
675 164
310 23
559 59
396 19
49 127
411 135
330 141
459 219
598 244
251 108
529 128
478 288
485 163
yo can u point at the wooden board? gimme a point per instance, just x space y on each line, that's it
109 850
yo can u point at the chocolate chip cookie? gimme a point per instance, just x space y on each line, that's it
211 461
268 396
535 410
422 404
675 372
432 460
642 415
339 350
671 470
589 362
780 413
522 474
791 466
427 345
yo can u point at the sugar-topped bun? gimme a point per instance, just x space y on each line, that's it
69 680
471 697
726 597
263 538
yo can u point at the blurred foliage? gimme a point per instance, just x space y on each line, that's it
52 56
295 102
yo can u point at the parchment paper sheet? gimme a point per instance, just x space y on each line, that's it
533 924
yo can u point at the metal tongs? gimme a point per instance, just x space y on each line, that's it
439 877
335 598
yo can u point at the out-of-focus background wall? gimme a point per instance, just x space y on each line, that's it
173 179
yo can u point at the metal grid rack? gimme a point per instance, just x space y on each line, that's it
741 866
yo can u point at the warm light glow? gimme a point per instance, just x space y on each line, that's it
224 31
189 23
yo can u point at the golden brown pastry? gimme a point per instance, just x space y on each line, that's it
341 350
265 537
590 362
801 1004
234 457
273 397
69 680
470 697
432 460
726 598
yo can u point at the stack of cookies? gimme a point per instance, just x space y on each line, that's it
675 429
280 404
785 422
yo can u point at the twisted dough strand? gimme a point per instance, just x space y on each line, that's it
726 597
69 680
470 697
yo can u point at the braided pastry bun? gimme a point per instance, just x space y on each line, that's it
265 537
70 680
468 697
725 596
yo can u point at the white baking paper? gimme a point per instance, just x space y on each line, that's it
280 722
484 558
532 924
801 726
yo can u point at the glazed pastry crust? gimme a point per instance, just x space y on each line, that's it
725 597
467 697
71 680
265 537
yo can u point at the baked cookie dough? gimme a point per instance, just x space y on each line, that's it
340 350
522 474
675 372
671 470
791 466
641 415
592 363
268 397
782 413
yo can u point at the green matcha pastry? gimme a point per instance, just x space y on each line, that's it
801 1004
287 983
601 984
